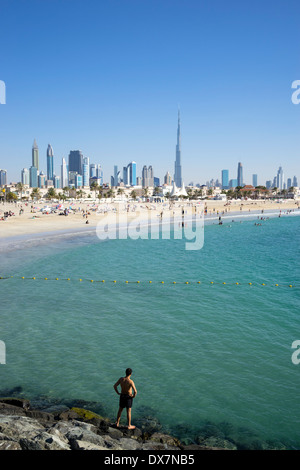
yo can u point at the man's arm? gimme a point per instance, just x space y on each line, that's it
134 390
116 386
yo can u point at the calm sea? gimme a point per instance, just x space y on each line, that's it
214 357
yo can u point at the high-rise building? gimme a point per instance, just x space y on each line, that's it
3 177
92 170
86 171
49 162
240 175
289 183
168 179
150 176
76 161
131 173
64 174
115 177
145 179
25 176
99 174
78 181
178 172
33 177
156 182
233 183
280 178
295 182
225 179
41 180
57 183
35 155
254 180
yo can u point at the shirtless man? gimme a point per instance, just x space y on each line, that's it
126 396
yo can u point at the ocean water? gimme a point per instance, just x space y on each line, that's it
209 359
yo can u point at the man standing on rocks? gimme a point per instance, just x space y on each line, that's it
126 396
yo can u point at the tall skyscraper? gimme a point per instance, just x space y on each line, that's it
178 173
225 179
25 176
240 175
289 183
280 178
33 177
150 176
145 179
86 171
295 181
64 174
35 155
254 180
76 161
49 162
3 177
41 180
132 173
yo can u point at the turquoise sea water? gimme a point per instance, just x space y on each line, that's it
200 353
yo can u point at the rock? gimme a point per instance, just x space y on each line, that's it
6 409
19 402
129 444
44 441
84 445
165 439
10 445
40 415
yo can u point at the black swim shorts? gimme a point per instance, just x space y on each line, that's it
125 401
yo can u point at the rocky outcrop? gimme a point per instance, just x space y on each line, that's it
23 428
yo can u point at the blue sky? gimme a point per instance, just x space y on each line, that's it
107 77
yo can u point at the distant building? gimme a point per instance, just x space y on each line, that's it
289 183
35 156
33 177
280 178
131 173
240 175
57 182
295 182
254 180
64 174
86 171
156 182
78 181
25 176
3 177
225 179
41 180
76 161
233 183
178 171
49 162
168 179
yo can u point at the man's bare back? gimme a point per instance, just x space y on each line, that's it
126 385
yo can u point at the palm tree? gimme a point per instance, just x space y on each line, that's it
20 188
36 194
94 187
133 194
51 194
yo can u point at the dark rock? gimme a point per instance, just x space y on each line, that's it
40 415
20 402
164 439
6 409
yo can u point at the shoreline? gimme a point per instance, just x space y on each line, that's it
35 226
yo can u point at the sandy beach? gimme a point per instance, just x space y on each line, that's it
28 218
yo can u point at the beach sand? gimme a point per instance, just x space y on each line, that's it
33 221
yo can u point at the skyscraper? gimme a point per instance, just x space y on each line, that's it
33 176
280 178
168 179
145 179
86 172
178 174
64 174
49 162
76 161
35 155
225 179
131 173
295 181
25 176
3 177
254 180
240 175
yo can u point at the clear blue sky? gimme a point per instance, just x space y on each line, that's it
107 76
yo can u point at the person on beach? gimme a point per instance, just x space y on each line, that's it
126 396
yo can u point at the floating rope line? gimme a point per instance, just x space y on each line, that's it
102 281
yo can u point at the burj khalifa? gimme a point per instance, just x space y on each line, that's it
177 174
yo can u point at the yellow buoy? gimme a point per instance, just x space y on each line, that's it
150 282
276 285
250 283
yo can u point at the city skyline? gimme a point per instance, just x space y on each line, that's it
234 87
